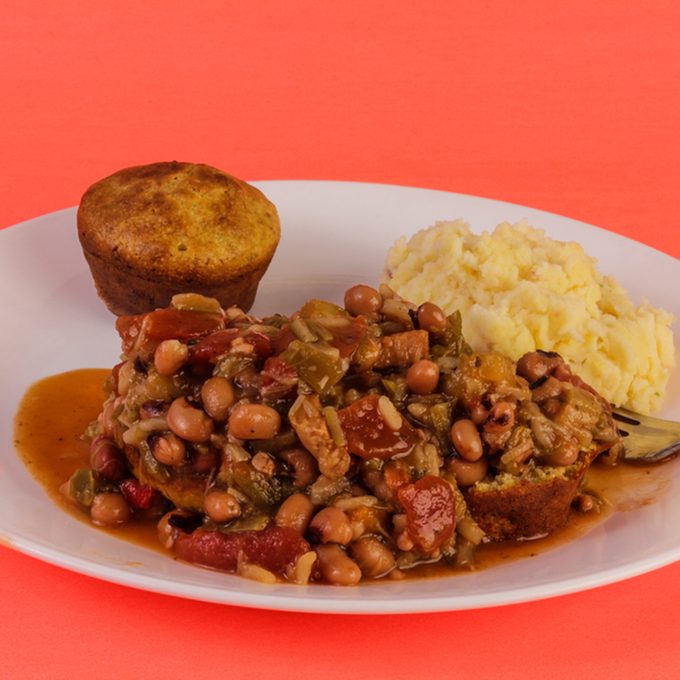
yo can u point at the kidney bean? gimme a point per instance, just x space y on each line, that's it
137 494
107 460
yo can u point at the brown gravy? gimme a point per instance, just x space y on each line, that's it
55 412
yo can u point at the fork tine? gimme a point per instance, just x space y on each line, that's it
647 439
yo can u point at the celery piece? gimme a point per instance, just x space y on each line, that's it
254 485
82 486
319 366
320 308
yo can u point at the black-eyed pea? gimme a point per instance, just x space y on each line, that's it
188 422
501 418
535 365
304 466
549 389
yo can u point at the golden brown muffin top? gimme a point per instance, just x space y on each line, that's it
179 220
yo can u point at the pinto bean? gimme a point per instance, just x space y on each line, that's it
422 377
362 299
376 482
331 525
170 356
465 437
467 473
221 506
336 567
295 512
431 318
254 421
374 558
217 395
264 463
166 532
478 413
109 509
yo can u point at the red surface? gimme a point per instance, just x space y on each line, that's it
572 109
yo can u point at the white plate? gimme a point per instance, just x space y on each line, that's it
334 235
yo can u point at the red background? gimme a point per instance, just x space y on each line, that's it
569 108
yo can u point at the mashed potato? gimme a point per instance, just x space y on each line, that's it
519 290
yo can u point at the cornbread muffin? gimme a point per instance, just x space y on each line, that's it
152 231
519 290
